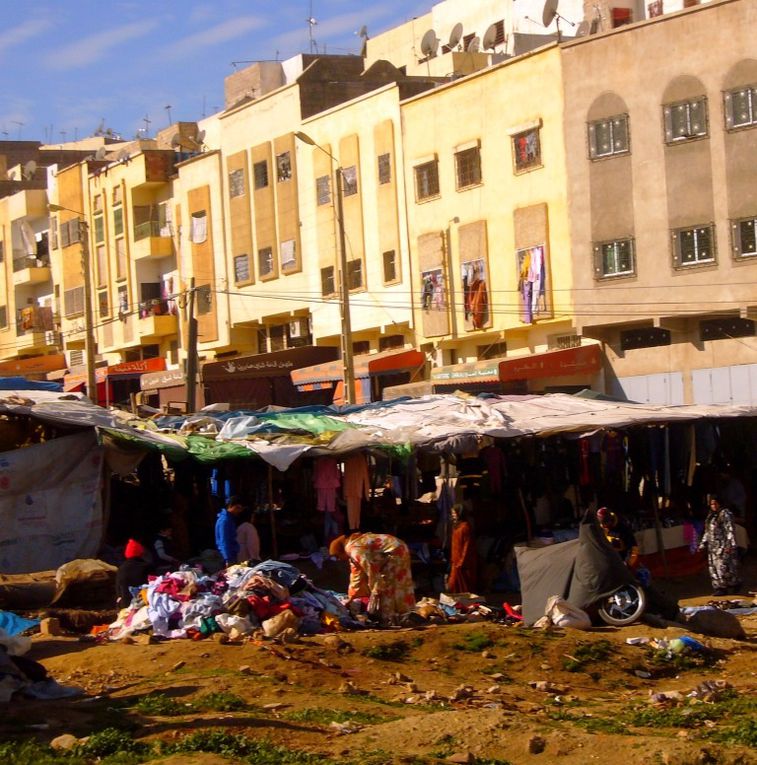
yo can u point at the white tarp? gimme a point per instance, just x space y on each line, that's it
50 503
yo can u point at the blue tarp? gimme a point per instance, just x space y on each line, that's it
21 383
14 624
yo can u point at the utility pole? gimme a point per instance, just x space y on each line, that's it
347 355
191 350
89 334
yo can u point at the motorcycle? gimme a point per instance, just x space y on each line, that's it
587 572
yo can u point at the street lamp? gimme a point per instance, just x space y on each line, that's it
347 355
89 338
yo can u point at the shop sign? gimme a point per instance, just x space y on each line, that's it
168 379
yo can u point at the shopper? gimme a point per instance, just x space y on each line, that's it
379 571
226 531
248 539
463 574
722 552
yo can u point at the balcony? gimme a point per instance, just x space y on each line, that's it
30 269
155 320
152 240
35 330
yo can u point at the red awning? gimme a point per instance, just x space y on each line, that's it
366 365
586 359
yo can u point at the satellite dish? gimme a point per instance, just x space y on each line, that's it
596 23
583 29
123 155
176 141
474 45
549 12
429 43
455 35
29 169
363 32
200 137
490 37
100 153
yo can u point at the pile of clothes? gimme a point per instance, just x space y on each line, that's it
272 596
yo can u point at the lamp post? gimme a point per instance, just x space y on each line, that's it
347 355
89 337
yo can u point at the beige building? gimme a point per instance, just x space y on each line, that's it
661 145
489 230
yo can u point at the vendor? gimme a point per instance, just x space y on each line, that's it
132 572
379 570
619 535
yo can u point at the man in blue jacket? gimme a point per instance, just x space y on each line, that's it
226 531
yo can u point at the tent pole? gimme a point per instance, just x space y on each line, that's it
271 514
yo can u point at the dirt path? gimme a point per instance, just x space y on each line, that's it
412 696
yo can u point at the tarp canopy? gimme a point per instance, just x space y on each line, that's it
21 383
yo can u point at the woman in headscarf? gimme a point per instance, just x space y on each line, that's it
379 570
463 574
722 552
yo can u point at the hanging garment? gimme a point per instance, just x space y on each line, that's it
357 486
479 303
496 466
326 480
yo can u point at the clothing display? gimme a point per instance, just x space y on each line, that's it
357 486
326 480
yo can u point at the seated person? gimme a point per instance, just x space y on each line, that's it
620 535
132 572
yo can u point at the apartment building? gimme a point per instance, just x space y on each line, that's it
661 146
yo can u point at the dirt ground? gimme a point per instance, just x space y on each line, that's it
472 692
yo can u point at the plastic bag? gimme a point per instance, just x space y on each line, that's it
282 621
564 614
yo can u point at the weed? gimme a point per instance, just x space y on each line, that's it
327 716
589 723
446 745
395 651
107 742
220 701
475 642
743 733
26 753
238 746
587 653
159 704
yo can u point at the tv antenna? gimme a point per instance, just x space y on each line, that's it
4 133
490 37
20 125
146 119
429 44
363 33
550 14
167 107
29 169
455 36
312 22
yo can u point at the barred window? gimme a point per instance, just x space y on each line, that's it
468 166
323 190
744 237
693 246
685 120
384 168
236 183
526 150
390 266
283 167
740 107
260 174
242 269
427 180
608 137
349 178
328 283
614 258
265 261
355 274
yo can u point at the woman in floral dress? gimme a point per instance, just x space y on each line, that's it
722 553
379 570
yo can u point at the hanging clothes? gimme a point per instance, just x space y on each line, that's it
479 303
326 480
357 486
496 466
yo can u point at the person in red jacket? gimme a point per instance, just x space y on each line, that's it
463 575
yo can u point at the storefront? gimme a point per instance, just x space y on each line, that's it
35 368
252 382
115 383
168 390
566 370
373 373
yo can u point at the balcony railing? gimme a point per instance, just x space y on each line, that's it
30 261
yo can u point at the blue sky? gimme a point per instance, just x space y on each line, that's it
69 64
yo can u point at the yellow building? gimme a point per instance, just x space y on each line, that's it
485 170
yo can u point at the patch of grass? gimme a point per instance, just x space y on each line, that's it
591 724
744 733
220 701
475 642
588 653
26 753
397 650
445 746
661 663
237 746
109 742
158 704
327 716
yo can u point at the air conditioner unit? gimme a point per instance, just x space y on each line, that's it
299 328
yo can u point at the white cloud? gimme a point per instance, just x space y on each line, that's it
94 47
220 33
18 35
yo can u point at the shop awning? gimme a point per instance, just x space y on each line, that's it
77 381
585 359
366 365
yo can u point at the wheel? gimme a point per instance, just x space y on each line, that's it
624 606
